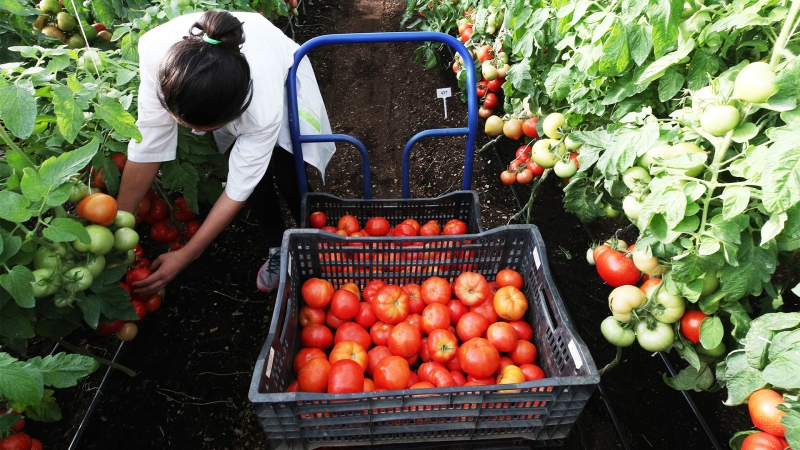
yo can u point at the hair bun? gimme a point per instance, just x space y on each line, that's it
221 26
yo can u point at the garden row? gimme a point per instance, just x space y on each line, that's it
682 116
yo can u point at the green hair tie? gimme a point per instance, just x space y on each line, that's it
210 40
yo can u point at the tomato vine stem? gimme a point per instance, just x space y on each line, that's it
613 362
103 361
780 44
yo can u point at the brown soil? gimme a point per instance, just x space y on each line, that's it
196 355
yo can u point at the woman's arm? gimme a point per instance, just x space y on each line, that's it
168 265
136 179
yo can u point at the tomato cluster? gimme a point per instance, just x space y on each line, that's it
175 230
58 23
436 334
18 440
348 225
765 415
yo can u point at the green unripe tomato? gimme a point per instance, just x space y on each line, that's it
552 123
77 279
102 239
610 211
715 352
125 219
125 239
90 32
44 258
65 21
91 60
719 120
76 41
636 179
78 191
571 145
710 285
565 169
50 6
45 283
40 22
542 155
129 257
493 126
649 158
615 333
96 264
686 147
654 336
631 206
488 70
755 83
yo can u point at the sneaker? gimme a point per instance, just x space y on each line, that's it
269 274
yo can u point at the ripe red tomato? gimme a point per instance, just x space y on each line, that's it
415 302
435 316
458 377
318 219
421 385
405 340
441 377
19 441
371 289
523 154
317 292
177 244
99 27
431 228
535 169
153 303
471 325
478 357
465 35
416 320
380 333
317 336
490 101
404 229
329 229
392 373
764 412
391 304
107 329
523 353
164 231
426 368
140 309
616 269
690 324
158 211
496 85
509 277
508 177
524 329
435 290
181 211
486 309
351 331
308 315
313 376
377 226
344 304
510 303
351 350
345 376
349 223
305 355
369 385
442 345
485 53
135 275
98 207
502 335
471 288
332 321
191 229
120 160
424 354
374 356
525 177
294 386
365 316
480 89
763 441
19 425
532 372
457 310
529 127
454 226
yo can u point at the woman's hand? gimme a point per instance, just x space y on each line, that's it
166 267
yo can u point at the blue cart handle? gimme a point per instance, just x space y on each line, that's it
470 131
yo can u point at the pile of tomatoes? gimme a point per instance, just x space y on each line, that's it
348 225
437 334
764 412
18 440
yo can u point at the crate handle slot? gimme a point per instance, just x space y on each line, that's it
544 301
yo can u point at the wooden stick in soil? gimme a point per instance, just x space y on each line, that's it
103 361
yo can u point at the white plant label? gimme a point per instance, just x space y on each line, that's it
443 93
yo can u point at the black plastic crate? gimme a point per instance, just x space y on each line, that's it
462 205
541 411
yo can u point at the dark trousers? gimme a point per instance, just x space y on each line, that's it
264 203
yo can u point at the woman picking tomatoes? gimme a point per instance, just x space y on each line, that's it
198 70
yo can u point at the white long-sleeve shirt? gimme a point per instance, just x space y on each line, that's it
265 122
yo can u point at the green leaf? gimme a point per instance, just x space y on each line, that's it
20 381
756 266
772 227
782 342
18 283
781 178
115 303
669 84
640 42
734 201
520 77
745 132
110 110
616 54
64 370
7 420
558 82
14 323
784 371
66 230
16 8
658 67
711 332
45 410
691 378
180 176
673 206
741 379
14 207
580 198
18 110
664 18
700 68
56 171
69 115
761 332
687 352
108 277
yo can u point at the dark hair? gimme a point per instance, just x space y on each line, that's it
204 84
